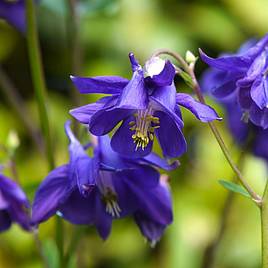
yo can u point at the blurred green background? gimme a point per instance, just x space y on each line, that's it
108 31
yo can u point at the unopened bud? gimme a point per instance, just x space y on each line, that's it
13 141
190 57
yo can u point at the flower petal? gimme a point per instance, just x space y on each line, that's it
134 95
52 192
164 78
259 117
202 112
224 90
259 92
103 121
156 160
100 84
150 229
123 143
83 114
170 136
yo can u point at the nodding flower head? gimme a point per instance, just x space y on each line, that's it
147 105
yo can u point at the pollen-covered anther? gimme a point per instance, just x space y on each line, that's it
144 130
110 200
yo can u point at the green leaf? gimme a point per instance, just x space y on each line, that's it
234 188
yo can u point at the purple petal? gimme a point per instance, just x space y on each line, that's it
224 90
164 78
201 111
123 143
83 114
100 84
134 95
259 117
260 147
156 160
170 137
226 63
11 191
103 121
164 99
52 192
244 98
14 14
150 229
259 92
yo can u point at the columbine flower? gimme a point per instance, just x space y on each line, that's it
13 11
245 74
147 105
13 205
94 191
242 130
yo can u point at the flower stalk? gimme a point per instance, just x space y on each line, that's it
40 92
264 226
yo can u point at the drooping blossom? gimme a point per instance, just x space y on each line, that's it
245 75
13 205
147 106
244 132
95 190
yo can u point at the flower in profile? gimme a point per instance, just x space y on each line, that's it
245 75
147 105
13 11
95 190
242 130
13 205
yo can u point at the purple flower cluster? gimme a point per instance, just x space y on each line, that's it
242 94
244 75
96 190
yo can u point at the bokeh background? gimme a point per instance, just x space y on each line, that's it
108 31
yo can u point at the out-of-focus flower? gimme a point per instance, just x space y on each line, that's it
242 130
95 190
147 105
245 75
13 205
13 11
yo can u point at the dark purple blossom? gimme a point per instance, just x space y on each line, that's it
245 133
13 11
147 105
245 75
13 205
95 190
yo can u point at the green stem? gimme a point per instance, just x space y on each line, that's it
264 226
195 86
38 78
40 92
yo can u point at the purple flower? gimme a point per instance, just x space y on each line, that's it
147 105
245 75
14 13
243 131
13 205
95 190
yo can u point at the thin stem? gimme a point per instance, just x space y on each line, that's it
212 248
264 226
17 103
40 92
195 86
74 51
38 78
